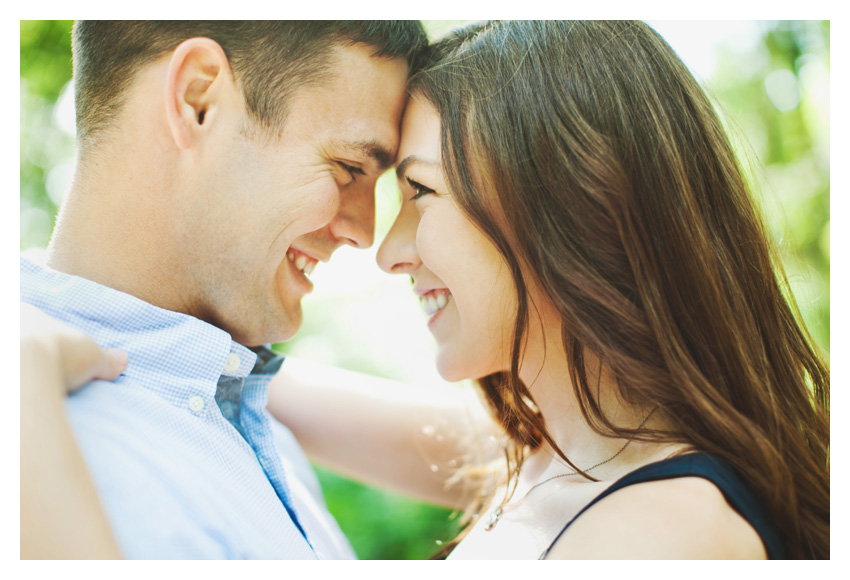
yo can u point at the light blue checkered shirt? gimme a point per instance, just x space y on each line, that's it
176 479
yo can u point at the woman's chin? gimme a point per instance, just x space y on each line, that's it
448 369
454 368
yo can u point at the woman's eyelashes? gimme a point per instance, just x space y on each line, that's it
419 189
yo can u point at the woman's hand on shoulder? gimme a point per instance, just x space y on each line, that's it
61 357
61 515
683 518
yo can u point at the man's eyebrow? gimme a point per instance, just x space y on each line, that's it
382 156
409 160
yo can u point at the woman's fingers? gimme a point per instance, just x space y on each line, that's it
76 357
83 361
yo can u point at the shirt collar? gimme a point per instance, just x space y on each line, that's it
168 351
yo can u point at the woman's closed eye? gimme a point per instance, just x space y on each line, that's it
419 189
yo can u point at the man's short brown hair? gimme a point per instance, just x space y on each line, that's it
270 59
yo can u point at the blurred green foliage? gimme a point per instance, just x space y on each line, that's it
384 525
45 146
776 102
774 99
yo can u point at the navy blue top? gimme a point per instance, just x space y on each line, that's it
718 472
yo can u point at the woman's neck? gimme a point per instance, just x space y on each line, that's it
547 375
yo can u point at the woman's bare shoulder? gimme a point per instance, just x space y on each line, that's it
682 518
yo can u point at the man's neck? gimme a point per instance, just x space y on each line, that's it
98 237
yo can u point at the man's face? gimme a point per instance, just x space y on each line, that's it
271 209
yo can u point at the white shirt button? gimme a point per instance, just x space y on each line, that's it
233 362
196 403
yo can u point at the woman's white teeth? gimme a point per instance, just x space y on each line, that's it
434 302
442 300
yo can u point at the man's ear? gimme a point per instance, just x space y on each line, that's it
199 82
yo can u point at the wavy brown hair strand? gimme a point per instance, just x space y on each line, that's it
591 158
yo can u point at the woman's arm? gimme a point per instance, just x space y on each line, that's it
389 434
61 516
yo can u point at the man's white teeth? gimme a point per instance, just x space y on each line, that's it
302 263
434 302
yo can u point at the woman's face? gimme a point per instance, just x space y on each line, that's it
462 281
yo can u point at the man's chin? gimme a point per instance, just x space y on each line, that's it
288 325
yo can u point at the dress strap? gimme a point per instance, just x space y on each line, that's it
715 470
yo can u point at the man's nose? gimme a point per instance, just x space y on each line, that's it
398 253
354 223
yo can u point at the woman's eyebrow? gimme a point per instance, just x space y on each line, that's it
410 159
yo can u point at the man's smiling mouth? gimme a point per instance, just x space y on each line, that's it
303 263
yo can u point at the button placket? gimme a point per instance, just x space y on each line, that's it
232 363
196 404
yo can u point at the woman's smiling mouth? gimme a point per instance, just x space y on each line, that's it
434 301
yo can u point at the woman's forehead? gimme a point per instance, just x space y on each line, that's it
420 131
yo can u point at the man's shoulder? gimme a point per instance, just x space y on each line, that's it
35 256
55 292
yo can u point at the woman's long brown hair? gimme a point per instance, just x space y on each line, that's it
601 167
